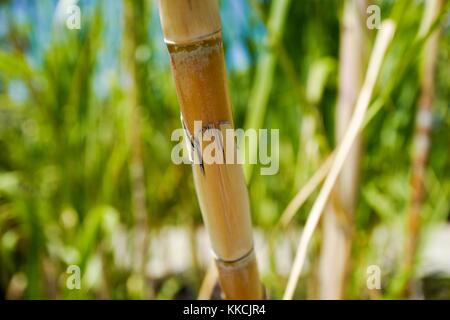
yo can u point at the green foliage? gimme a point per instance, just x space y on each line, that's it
65 146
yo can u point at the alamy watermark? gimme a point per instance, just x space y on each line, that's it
374 19
221 144
373 281
74 277
73 20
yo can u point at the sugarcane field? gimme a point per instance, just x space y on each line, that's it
265 152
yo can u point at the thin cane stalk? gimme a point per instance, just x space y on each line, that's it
192 31
384 38
136 167
208 283
316 179
337 220
305 192
421 138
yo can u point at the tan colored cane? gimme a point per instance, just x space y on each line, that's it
192 32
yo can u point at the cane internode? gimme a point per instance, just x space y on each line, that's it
193 37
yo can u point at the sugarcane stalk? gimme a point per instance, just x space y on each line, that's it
192 32
421 142
338 217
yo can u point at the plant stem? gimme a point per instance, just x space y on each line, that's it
421 142
338 217
136 166
192 32
209 282
265 69
384 38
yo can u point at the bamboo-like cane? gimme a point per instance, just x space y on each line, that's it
339 214
421 138
382 42
192 32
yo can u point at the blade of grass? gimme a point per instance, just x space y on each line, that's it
265 69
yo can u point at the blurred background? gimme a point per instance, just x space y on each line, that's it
86 176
